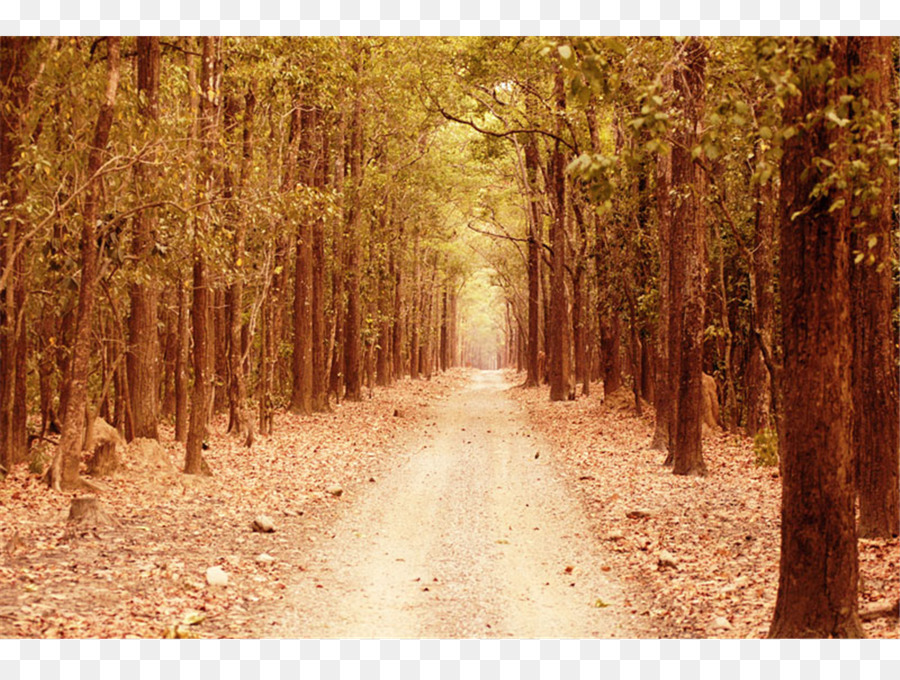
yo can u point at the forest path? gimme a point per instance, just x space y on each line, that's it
469 536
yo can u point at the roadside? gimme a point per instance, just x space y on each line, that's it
698 557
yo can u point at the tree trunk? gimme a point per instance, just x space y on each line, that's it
687 270
663 402
876 410
16 73
338 272
532 163
142 360
817 588
762 303
319 386
559 350
181 361
301 393
64 471
200 313
240 424
352 327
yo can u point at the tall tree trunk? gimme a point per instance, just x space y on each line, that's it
876 410
352 328
687 269
560 361
142 360
817 587
319 386
17 70
532 163
201 392
240 423
64 471
762 303
338 272
301 393
181 362
664 400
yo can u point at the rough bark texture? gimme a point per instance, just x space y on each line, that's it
876 410
535 235
687 269
301 393
817 588
142 360
762 303
202 389
64 471
559 350
663 403
319 386
352 327
240 423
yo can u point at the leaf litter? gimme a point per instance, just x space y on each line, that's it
697 557
145 575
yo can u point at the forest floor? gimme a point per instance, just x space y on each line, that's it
457 507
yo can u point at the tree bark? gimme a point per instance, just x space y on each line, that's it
352 327
535 236
687 269
817 588
142 360
201 392
559 349
876 409
16 72
64 471
301 393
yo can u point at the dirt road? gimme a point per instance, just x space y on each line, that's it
470 535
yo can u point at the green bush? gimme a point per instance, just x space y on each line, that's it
765 445
38 462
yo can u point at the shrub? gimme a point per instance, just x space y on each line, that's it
765 445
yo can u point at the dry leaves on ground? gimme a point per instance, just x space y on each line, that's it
144 572
722 531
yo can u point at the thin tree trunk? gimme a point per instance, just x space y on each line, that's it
560 362
64 472
352 328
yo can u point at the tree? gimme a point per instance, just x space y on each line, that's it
18 69
194 463
687 267
142 360
561 386
876 423
817 587
64 471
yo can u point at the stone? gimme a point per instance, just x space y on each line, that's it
721 623
638 513
264 558
665 560
216 576
263 524
615 536
335 491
